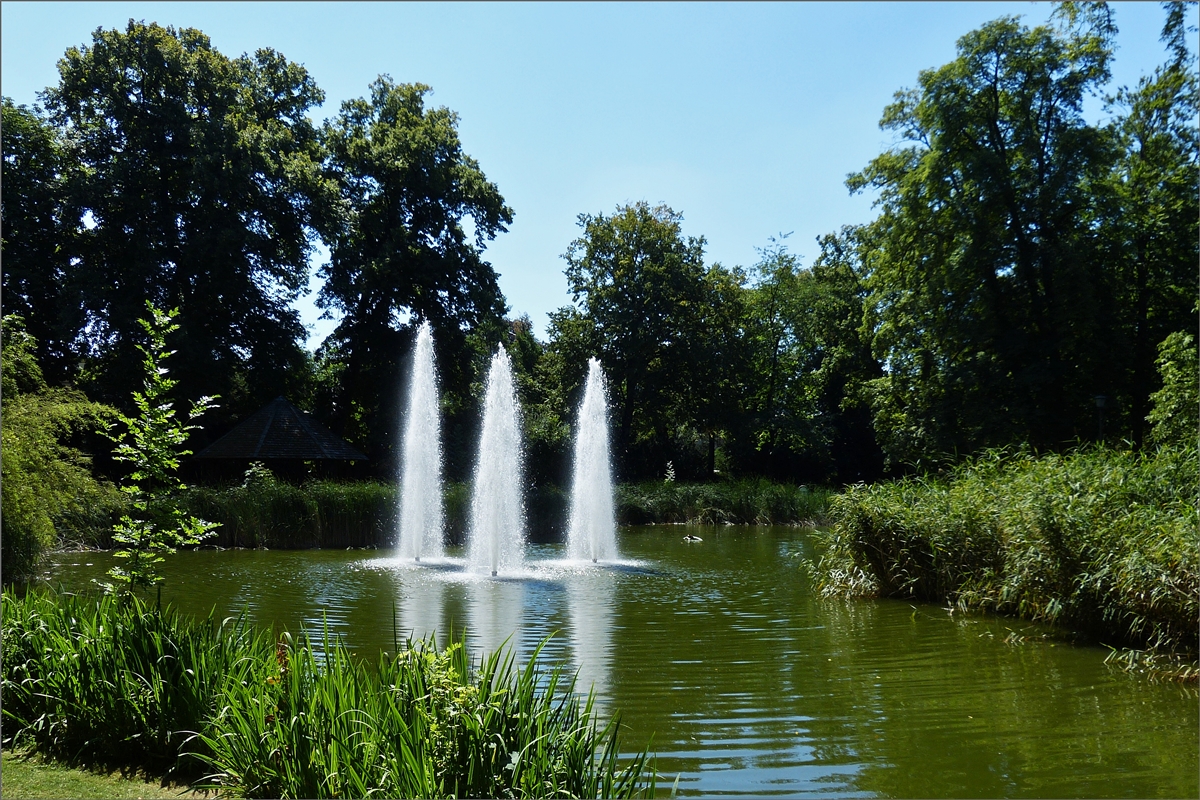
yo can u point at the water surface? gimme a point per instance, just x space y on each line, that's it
717 655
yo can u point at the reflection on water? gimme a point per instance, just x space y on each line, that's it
717 655
494 616
422 608
590 601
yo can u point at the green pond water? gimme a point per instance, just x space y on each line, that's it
717 655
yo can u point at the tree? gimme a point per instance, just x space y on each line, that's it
984 292
153 444
1175 408
195 183
809 358
43 478
658 321
1147 220
39 239
401 252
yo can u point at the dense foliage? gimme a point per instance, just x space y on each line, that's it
185 178
1100 540
1009 277
117 682
47 489
1024 266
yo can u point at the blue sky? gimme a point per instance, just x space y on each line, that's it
745 117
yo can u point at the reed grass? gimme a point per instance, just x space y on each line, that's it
121 683
747 501
111 681
1100 540
278 515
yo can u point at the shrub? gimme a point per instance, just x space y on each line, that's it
46 486
1175 417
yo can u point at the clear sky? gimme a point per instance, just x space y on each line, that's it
745 117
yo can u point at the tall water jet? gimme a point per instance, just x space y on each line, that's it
593 527
421 476
497 537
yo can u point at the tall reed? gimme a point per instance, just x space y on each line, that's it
124 683
746 501
422 723
1101 540
110 680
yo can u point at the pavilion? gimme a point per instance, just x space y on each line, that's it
283 437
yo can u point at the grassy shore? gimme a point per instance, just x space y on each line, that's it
1103 541
117 684
27 777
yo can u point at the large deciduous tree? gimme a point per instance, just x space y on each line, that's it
1147 218
402 251
661 323
196 184
39 238
985 293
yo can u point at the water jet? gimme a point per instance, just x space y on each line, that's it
421 516
592 533
496 539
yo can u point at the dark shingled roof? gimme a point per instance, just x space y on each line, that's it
280 430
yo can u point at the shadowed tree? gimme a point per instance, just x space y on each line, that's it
39 238
197 186
402 251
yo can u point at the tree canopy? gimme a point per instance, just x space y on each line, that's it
400 252
1024 264
183 177
660 322
996 305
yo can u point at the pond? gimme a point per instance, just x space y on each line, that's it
716 654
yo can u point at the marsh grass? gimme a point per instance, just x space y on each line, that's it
1100 540
422 723
120 683
747 501
279 515
109 680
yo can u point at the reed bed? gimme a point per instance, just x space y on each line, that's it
1100 540
748 501
118 682
110 681
279 515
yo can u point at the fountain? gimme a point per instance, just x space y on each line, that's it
593 529
421 476
497 538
